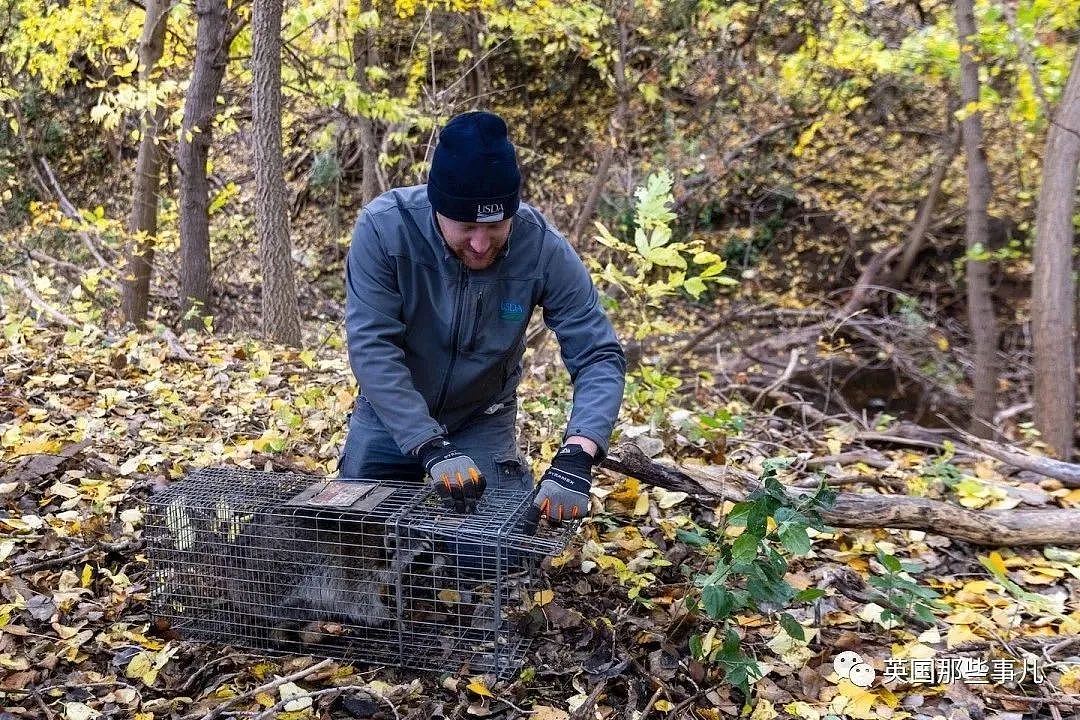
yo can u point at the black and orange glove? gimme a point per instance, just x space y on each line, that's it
454 475
563 493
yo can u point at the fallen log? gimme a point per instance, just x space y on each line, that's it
995 528
1067 473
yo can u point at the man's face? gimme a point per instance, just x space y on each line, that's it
476 244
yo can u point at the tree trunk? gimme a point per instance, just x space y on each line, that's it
477 81
980 305
281 311
211 53
142 221
616 129
917 236
365 55
1052 289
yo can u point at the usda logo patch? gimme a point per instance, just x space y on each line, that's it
513 311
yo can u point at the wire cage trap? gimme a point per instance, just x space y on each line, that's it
373 572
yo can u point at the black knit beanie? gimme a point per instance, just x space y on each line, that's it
474 172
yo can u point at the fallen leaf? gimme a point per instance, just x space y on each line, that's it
802 710
295 696
477 685
764 710
547 712
79 711
666 499
854 701
142 667
543 597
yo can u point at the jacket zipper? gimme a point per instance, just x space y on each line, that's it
463 286
476 321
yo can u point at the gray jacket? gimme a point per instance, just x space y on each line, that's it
433 344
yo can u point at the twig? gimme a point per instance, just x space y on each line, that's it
70 269
872 458
194 678
176 350
866 281
900 440
1054 712
1002 415
1067 473
62 560
280 704
264 688
677 710
1060 701
649 705
1063 645
793 360
40 303
72 212
44 708
585 709
783 399
523 711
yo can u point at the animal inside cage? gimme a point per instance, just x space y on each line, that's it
375 572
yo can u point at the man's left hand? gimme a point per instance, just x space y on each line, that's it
563 493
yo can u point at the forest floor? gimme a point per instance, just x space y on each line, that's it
93 423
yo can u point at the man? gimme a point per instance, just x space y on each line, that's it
440 282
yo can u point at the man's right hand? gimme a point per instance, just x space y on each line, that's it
454 475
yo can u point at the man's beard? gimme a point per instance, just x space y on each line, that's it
477 262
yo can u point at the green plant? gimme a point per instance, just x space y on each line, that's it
656 265
710 427
942 469
900 591
749 572
647 392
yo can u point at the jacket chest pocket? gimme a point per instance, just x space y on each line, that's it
491 325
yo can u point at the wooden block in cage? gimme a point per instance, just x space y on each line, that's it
358 496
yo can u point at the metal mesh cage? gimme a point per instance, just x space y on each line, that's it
376 572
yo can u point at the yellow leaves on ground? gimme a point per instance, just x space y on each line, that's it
627 554
449 596
793 652
265 699
1071 498
149 413
479 686
666 499
633 498
802 710
146 664
543 597
263 670
856 702
1070 680
763 710
36 447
